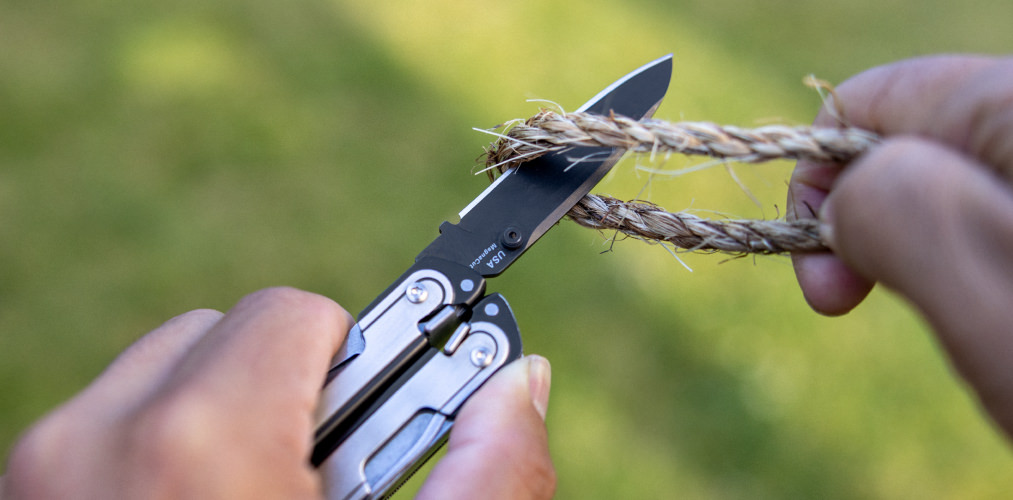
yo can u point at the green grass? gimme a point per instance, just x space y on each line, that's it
156 158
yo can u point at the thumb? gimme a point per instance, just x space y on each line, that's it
498 447
937 227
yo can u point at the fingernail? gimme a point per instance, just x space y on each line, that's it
826 227
539 382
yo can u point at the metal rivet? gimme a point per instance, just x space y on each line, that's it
417 293
512 238
491 309
481 357
467 285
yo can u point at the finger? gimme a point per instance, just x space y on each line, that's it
935 225
914 96
932 96
141 369
257 373
91 417
828 285
498 447
271 351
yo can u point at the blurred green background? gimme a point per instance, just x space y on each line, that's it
157 157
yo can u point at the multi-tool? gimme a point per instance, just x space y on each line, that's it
428 342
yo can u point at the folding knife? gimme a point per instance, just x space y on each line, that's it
428 342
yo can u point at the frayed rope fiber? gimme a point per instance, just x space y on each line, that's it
549 132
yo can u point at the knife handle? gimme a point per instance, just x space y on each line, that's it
391 400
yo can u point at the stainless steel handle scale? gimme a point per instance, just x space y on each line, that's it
425 346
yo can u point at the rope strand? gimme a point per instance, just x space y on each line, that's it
549 132
649 222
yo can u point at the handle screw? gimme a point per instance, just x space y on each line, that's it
417 293
481 357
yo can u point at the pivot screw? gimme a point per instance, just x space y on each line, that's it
512 238
481 357
417 293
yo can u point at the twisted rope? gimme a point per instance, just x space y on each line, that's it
549 132
647 221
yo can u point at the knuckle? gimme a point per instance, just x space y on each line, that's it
307 313
177 446
987 99
31 454
198 316
879 181
534 465
281 294
544 480
172 434
38 452
299 302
